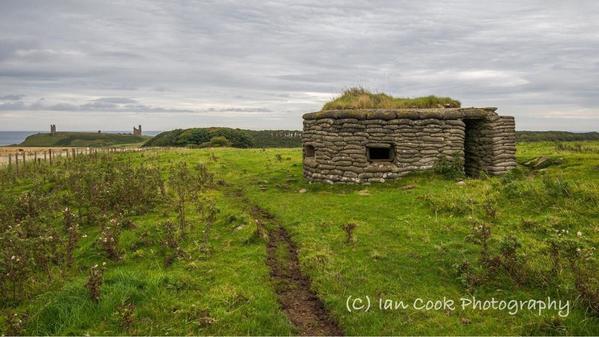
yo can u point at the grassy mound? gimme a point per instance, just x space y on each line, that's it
226 137
81 139
359 98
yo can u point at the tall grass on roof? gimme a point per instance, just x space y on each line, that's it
360 98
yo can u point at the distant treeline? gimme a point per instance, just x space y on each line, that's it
538 136
241 138
81 139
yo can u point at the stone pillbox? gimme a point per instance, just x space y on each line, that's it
359 146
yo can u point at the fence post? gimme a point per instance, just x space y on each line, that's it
23 159
50 155
74 152
9 160
17 162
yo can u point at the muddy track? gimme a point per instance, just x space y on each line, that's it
301 305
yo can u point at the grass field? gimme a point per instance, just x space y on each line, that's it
82 139
418 237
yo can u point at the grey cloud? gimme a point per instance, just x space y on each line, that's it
114 104
115 100
109 104
11 97
280 59
235 110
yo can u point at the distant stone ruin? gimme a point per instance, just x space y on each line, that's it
374 145
52 129
137 131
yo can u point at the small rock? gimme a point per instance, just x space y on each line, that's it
303 190
465 321
363 192
408 187
461 183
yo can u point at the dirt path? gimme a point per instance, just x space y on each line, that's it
301 305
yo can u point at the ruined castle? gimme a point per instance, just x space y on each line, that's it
137 131
373 145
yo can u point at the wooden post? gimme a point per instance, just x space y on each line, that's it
9 160
45 156
17 162
74 152
50 155
35 157
23 159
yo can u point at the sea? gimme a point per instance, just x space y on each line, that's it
16 137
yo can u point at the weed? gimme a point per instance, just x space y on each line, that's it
15 323
490 208
481 234
511 260
170 241
557 187
468 276
550 326
207 209
109 240
349 228
94 282
125 315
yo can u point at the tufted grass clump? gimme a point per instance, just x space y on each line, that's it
360 98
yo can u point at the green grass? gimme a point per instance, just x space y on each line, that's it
82 139
359 98
407 245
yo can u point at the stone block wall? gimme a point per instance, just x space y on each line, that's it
336 143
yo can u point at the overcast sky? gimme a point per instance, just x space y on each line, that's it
89 65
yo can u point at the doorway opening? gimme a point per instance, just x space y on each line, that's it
474 147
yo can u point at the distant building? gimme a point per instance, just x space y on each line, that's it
52 129
137 131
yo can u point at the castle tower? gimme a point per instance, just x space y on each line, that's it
52 129
137 131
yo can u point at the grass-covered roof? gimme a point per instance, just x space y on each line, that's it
359 98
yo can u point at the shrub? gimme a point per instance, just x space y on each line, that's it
217 141
450 168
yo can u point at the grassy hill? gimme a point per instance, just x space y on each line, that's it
100 246
540 136
82 139
359 98
213 137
